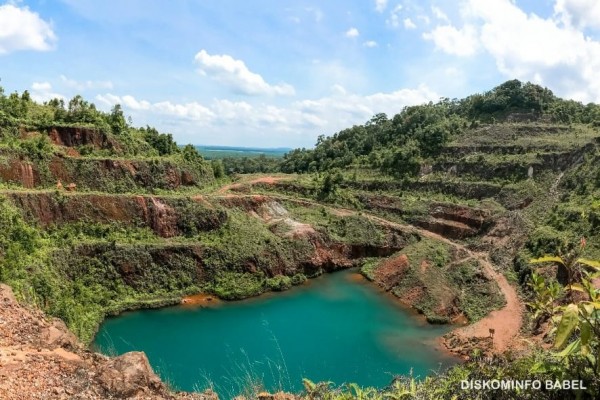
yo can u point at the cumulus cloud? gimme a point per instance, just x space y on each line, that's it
303 120
370 43
191 111
235 74
380 5
41 86
85 85
527 46
22 29
460 42
579 13
42 91
394 18
352 33
439 14
408 24
351 109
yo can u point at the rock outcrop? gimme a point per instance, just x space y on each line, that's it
41 359
166 217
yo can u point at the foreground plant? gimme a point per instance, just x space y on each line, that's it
576 319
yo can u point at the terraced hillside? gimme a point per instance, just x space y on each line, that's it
98 217
508 192
101 241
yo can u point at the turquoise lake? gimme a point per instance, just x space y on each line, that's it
335 328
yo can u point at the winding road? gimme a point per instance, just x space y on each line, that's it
506 322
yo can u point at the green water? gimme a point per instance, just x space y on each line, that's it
333 329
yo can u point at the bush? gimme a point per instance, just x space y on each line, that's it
279 283
298 279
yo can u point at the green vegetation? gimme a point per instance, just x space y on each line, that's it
519 164
436 280
398 146
574 313
74 142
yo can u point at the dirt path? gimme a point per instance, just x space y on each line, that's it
270 180
506 322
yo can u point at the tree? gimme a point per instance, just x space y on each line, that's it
162 142
116 120
402 161
218 168
330 184
190 154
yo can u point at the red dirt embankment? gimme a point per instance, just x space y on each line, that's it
41 359
268 180
104 173
71 136
164 216
506 322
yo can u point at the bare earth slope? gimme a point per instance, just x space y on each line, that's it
506 322
41 359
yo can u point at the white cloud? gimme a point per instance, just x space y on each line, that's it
301 121
41 86
22 29
351 109
394 18
73 84
352 33
426 20
370 43
42 91
460 42
237 76
439 14
579 13
408 24
190 111
380 5
528 47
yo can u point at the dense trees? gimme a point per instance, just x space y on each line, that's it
397 146
249 165
21 111
162 142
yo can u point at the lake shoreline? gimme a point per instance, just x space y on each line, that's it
421 334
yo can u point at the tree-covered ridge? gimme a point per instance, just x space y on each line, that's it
20 111
398 145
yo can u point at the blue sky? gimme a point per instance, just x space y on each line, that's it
279 73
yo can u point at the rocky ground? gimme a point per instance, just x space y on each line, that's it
41 359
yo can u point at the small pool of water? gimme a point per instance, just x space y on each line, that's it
335 328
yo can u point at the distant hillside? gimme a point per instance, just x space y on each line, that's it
399 145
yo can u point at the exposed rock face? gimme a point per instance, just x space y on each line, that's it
102 174
454 221
19 172
27 176
128 375
164 216
391 271
41 359
78 136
